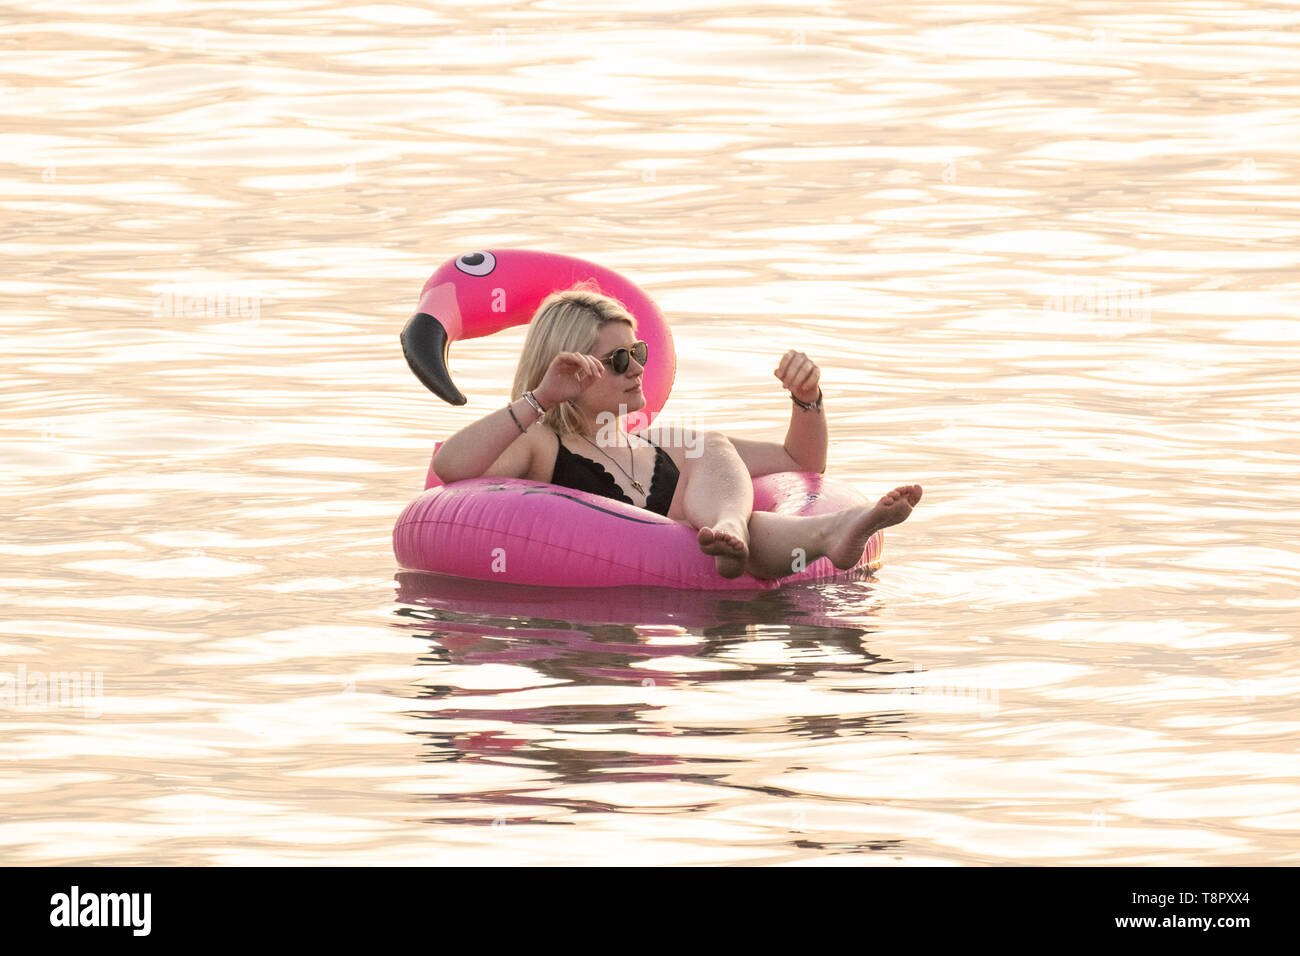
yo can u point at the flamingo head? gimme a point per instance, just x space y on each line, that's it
479 293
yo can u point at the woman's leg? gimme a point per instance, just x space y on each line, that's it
718 499
783 544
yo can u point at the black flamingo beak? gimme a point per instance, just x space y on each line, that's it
424 343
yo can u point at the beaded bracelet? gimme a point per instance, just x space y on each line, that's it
807 405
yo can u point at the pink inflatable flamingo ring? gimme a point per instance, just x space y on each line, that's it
525 531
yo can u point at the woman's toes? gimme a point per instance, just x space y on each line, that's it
909 493
728 550
716 541
893 507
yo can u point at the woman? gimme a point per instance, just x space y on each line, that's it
580 372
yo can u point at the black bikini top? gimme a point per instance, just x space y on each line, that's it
586 474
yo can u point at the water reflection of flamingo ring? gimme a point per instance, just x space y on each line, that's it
531 532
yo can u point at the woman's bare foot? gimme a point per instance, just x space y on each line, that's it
730 549
849 529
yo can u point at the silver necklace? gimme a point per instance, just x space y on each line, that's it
631 460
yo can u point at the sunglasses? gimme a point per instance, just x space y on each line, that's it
618 359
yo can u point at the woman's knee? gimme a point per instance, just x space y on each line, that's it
716 460
717 445
715 478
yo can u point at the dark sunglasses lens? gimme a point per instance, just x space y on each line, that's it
619 359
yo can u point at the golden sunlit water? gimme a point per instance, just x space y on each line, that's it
1045 257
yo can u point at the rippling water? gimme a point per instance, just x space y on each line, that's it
1047 262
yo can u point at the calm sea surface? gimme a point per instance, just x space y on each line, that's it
1046 261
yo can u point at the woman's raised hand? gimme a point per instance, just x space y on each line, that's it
568 377
799 374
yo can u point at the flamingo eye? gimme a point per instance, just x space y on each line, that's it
476 263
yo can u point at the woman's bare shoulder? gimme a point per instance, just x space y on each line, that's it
545 446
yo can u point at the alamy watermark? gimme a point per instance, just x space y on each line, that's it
193 300
38 690
609 435
75 908
984 696
1091 297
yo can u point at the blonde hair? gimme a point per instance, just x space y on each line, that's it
567 321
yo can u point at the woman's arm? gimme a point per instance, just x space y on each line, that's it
492 445
495 445
806 439
804 448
